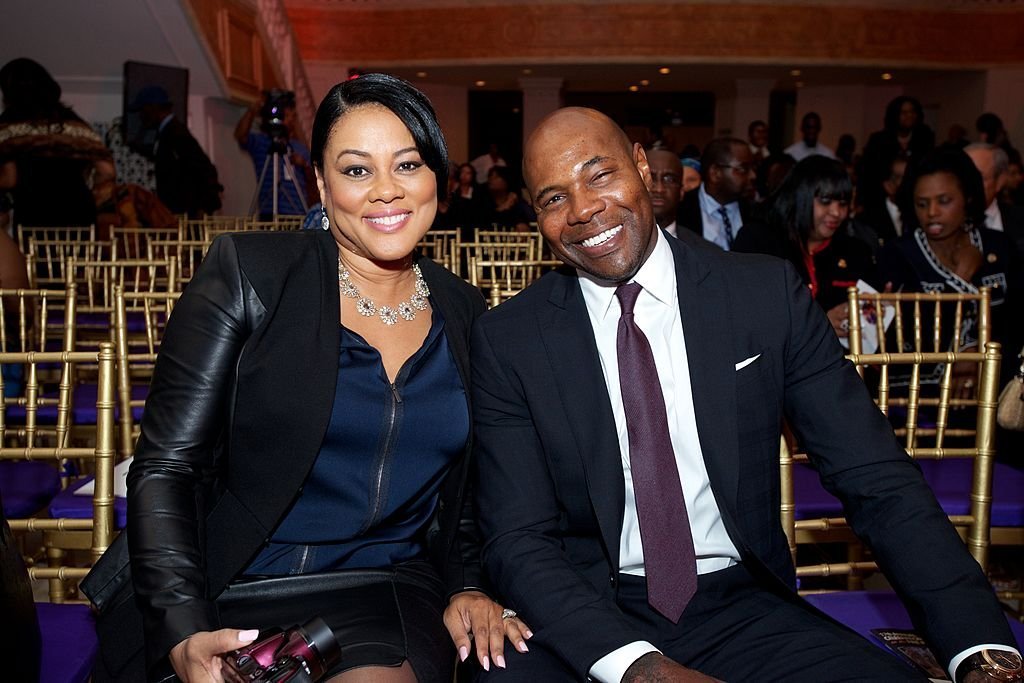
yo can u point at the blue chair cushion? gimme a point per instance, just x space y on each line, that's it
83 409
69 640
865 610
950 480
27 486
67 504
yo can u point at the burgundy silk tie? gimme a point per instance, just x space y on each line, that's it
669 559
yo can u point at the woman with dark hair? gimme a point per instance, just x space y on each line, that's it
506 209
46 151
904 135
806 224
306 442
946 248
468 203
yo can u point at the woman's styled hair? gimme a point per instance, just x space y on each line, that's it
944 159
29 91
403 100
892 112
791 208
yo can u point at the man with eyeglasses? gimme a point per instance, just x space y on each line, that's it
721 205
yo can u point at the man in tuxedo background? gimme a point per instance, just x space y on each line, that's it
659 371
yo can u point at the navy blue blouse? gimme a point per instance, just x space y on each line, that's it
375 483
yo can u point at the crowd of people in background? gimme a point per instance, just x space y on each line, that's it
840 217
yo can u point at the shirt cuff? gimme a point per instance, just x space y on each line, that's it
612 667
967 653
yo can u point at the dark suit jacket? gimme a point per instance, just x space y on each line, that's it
690 215
186 179
239 405
550 475
1013 225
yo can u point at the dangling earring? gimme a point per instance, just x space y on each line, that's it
968 225
325 222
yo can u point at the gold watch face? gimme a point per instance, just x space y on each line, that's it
1003 660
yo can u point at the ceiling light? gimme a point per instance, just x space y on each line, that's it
527 72
794 72
481 84
886 76
645 82
664 70
633 88
421 74
799 84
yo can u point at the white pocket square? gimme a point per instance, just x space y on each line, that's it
744 363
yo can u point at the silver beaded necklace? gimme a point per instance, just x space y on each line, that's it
388 315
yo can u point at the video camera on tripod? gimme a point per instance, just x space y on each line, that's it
284 185
272 114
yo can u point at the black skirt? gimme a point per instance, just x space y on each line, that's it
380 617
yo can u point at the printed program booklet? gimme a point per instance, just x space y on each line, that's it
913 650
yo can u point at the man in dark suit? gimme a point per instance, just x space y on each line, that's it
720 206
881 212
656 349
186 179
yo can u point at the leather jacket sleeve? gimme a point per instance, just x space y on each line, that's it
176 460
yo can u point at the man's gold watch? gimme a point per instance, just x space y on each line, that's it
1001 665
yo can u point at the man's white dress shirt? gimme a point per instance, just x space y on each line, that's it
800 150
714 226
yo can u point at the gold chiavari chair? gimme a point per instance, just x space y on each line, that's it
188 254
91 529
926 439
437 245
95 282
133 242
82 233
501 280
195 228
281 223
136 354
47 260
914 376
466 254
31 318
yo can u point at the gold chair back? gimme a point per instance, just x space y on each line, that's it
22 442
80 234
133 242
136 352
187 253
500 280
48 260
30 318
438 245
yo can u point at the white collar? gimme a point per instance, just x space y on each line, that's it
656 276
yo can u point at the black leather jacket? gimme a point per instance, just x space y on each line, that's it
239 403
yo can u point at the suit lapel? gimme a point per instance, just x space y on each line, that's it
707 329
568 339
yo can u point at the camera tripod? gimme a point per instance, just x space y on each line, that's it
276 160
